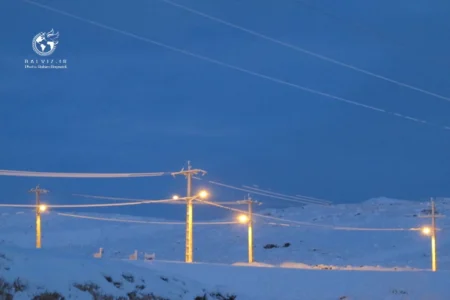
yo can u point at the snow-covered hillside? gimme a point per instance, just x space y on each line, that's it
31 273
339 237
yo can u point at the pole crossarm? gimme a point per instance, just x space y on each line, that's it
38 190
189 171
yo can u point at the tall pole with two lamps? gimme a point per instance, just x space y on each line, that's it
189 173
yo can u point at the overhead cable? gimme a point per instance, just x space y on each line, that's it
331 227
236 68
77 175
87 205
297 197
305 51
180 200
269 195
142 222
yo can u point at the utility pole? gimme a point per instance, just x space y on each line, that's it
433 236
38 191
189 257
432 232
250 230
250 203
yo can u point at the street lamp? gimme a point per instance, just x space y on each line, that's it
426 230
202 194
243 219
175 197
42 208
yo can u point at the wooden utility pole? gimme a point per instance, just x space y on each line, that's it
250 203
250 230
38 191
432 232
433 236
189 256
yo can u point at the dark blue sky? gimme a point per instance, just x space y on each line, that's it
129 106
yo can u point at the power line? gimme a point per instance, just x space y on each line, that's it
287 196
366 29
302 201
263 216
123 199
88 205
142 222
350 228
159 201
236 68
296 200
302 50
78 175
312 224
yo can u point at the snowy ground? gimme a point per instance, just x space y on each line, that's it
44 272
68 243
